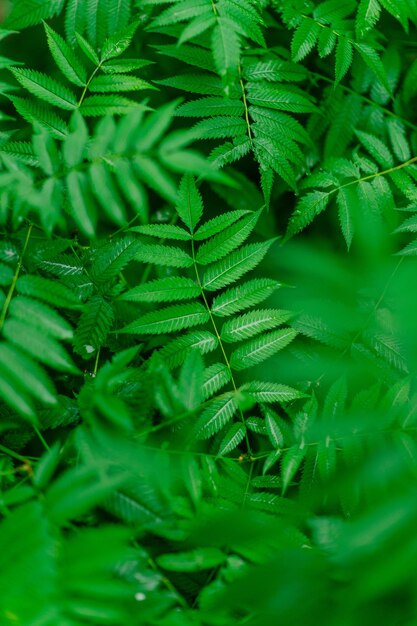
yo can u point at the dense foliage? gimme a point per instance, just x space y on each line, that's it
208 344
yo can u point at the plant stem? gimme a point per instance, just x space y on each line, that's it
245 104
81 100
10 293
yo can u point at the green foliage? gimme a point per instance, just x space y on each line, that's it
208 350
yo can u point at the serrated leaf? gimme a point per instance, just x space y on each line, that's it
215 377
304 39
271 392
169 320
37 113
218 224
163 231
46 88
235 265
243 296
291 462
307 209
234 436
367 16
253 323
346 199
119 42
189 204
93 327
65 58
225 44
261 348
96 106
270 461
117 83
372 60
376 148
175 352
228 240
87 48
163 255
216 416
344 57
273 431
163 290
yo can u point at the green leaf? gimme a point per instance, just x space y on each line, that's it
344 57
234 436
304 39
307 209
261 348
376 148
119 42
215 377
271 392
46 88
175 352
33 341
65 58
49 290
234 266
218 224
270 461
226 241
79 200
273 430
96 106
124 65
163 290
279 97
31 12
225 45
163 255
216 416
347 200
37 113
163 231
367 16
189 204
290 465
118 82
209 107
191 380
41 316
13 393
22 368
253 323
86 47
243 296
168 320
372 60
192 561
93 327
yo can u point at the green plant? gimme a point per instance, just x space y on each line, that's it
208 351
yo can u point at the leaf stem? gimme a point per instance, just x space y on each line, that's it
10 293
81 100
245 104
